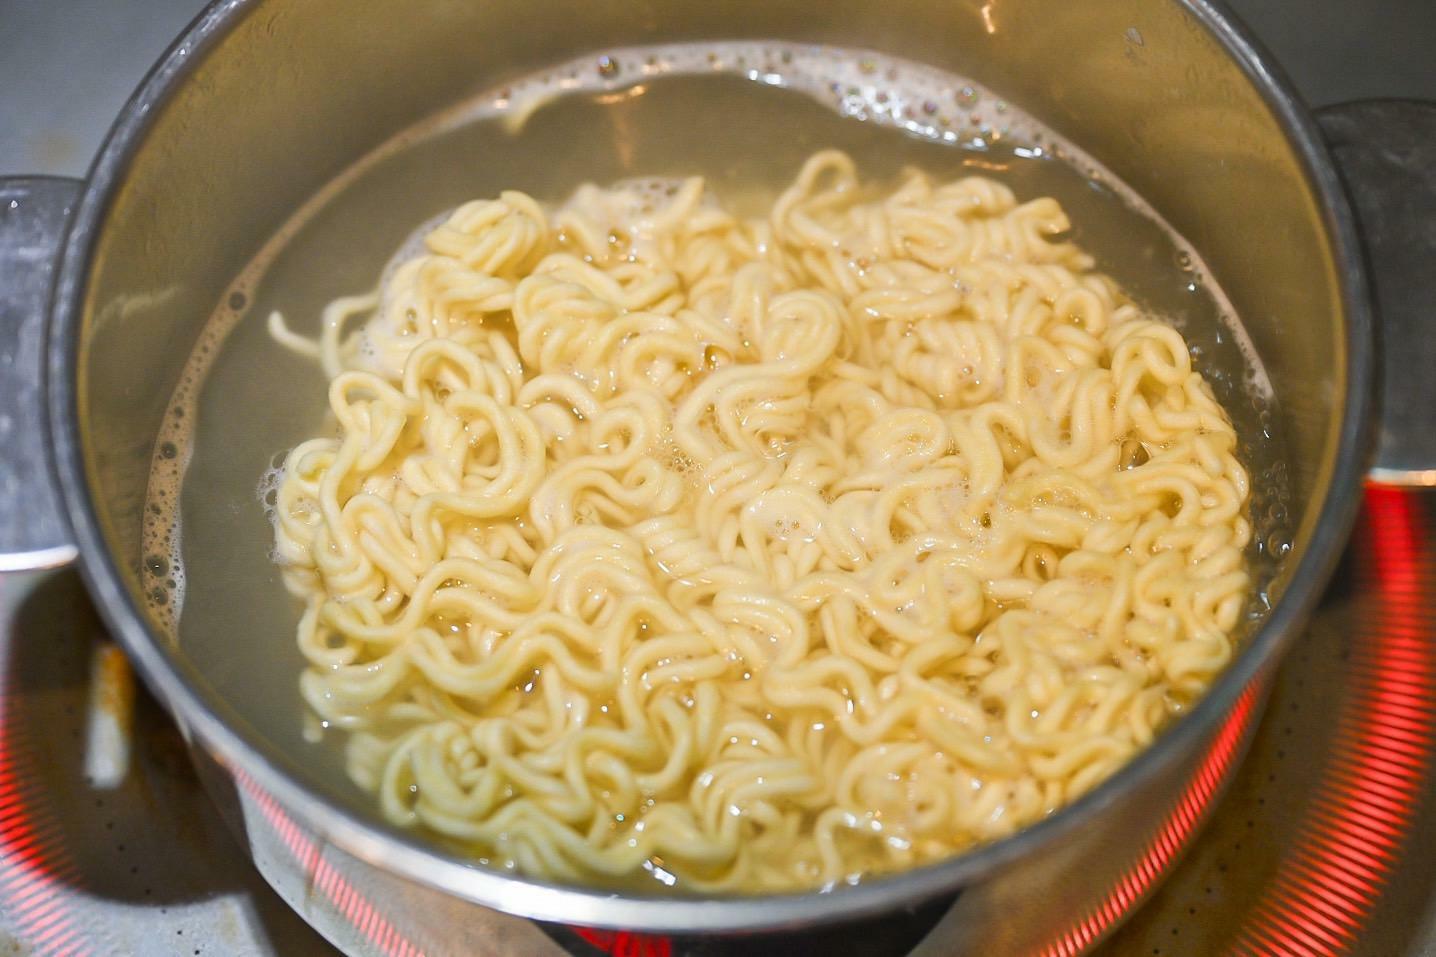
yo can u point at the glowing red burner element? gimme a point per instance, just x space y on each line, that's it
1353 834
1170 838
623 944
34 870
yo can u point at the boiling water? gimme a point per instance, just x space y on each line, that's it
744 116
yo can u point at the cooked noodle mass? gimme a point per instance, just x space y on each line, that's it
755 554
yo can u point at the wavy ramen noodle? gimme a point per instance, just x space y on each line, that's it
758 555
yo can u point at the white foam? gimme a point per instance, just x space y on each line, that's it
411 248
266 491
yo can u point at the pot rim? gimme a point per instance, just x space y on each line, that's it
415 859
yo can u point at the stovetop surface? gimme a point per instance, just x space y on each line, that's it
1326 842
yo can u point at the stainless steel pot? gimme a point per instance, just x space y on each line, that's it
262 101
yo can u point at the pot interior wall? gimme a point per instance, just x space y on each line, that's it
297 90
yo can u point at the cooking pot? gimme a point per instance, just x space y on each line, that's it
104 286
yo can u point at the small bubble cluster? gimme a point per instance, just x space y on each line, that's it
162 568
864 85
